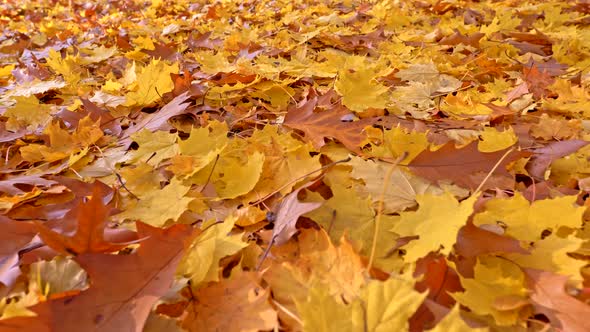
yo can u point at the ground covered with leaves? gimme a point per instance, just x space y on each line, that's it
294 165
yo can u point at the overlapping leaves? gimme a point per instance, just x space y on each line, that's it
246 166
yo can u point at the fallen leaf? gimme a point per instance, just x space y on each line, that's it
466 167
543 157
549 297
526 221
201 261
473 241
360 90
15 236
10 184
119 300
403 186
287 215
454 322
328 123
156 207
89 237
389 304
436 222
495 281
158 120
239 304
153 81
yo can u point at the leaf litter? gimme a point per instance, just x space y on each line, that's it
294 166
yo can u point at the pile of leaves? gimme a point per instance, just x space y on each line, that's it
294 165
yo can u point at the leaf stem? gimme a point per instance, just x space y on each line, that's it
300 178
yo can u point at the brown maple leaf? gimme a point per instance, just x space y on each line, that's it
158 120
15 236
123 287
91 219
439 279
550 298
238 304
466 167
473 241
543 157
317 125
9 184
287 215
537 81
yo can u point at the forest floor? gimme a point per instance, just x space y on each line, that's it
294 165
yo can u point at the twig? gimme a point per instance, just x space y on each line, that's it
288 312
380 208
119 178
492 171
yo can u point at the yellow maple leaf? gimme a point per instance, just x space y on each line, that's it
497 289
249 215
493 140
396 142
382 306
56 276
413 98
199 149
6 71
154 147
316 263
236 174
153 82
69 67
141 178
62 143
285 159
212 63
348 214
390 304
156 207
527 221
321 312
359 90
503 20
551 254
9 307
27 113
576 165
419 72
453 322
464 104
403 188
97 54
436 222
201 261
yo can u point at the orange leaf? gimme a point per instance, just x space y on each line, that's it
89 237
123 287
